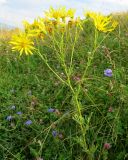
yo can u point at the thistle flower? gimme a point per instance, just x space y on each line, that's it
28 122
22 43
107 146
101 22
108 72
76 78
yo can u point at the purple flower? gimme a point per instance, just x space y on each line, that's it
51 110
13 107
54 133
28 122
107 146
108 72
9 118
19 113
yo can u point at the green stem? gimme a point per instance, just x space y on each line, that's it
72 53
51 68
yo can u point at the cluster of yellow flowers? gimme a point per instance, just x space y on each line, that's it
56 19
60 13
101 22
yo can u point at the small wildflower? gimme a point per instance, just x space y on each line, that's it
107 146
108 72
54 133
51 110
12 91
13 107
28 122
110 109
9 118
33 103
29 92
76 78
60 136
19 113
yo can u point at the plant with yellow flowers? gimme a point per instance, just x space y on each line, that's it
23 44
36 29
63 33
101 22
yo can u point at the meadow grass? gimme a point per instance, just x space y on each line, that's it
43 117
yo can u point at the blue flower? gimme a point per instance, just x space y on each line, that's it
108 72
54 133
19 113
13 107
51 110
28 122
9 118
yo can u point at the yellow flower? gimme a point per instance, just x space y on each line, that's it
101 22
26 25
22 43
57 13
71 13
36 29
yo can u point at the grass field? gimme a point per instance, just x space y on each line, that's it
66 117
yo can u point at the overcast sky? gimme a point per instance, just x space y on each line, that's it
13 12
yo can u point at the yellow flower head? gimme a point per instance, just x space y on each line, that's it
36 29
22 43
26 25
71 13
101 22
56 13
59 13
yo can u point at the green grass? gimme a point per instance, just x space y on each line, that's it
32 88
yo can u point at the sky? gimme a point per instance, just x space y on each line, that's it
13 12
